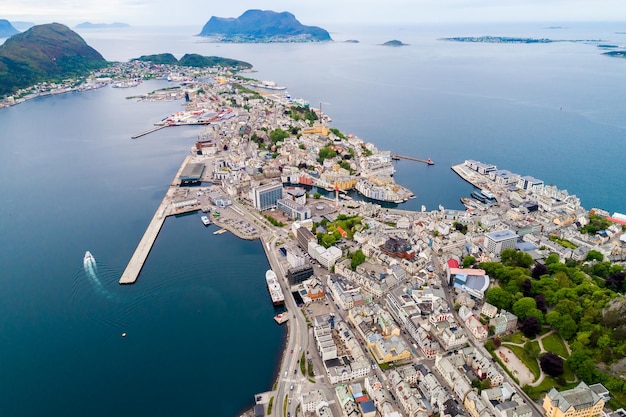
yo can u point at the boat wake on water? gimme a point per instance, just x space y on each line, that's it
96 295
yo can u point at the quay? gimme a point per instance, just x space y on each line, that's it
165 209
410 158
144 133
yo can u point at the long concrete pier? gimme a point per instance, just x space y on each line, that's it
410 158
154 129
131 273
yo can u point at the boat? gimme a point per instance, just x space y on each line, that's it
89 262
205 220
273 286
219 232
281 318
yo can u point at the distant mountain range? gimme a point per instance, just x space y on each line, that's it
6 29
262 26
42 53
89 25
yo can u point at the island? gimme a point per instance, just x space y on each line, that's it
497 39
195 61
262 26
351 41
7 29
394 42
43 53
89 25
621 53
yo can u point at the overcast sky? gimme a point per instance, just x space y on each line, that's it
312 12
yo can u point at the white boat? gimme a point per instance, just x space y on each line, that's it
89 262
273 286
205 220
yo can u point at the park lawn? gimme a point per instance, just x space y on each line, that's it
555 344
568 374
530 363
514 338
545 386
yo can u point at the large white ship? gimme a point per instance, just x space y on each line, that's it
273 287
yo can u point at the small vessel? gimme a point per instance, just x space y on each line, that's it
89 262
205 220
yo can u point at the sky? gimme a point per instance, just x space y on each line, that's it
315 12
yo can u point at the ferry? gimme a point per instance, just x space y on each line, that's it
205 220
273 286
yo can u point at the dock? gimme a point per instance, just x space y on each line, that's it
410 158
165 209
146 132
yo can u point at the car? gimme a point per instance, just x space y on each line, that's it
294 371
291 350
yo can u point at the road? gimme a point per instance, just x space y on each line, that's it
537 410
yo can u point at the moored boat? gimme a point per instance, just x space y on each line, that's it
273 286
205 220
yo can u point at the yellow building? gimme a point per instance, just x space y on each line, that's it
581 401
388 350
317 129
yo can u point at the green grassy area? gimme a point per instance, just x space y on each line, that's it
555 344
269 406
303 364
568 374
536 392
530 363
310 369
514 338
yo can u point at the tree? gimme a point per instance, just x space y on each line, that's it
594 255
539 270
317 196
523 306
358 258
498 297
530 327
541 303
526 287
551 364
468 261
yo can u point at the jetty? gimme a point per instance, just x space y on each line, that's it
397 157
165 209
146 132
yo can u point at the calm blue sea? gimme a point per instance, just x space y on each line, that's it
200 336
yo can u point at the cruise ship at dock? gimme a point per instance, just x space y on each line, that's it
273 287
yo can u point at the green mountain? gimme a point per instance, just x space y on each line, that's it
194 60
263 26
7 29
45 52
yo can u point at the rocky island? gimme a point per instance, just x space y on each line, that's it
262 26
394 42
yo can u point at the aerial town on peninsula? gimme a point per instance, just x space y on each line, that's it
390 312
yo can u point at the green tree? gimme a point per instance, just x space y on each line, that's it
317 196
358 258
594 255
523 306
468 261
498 297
